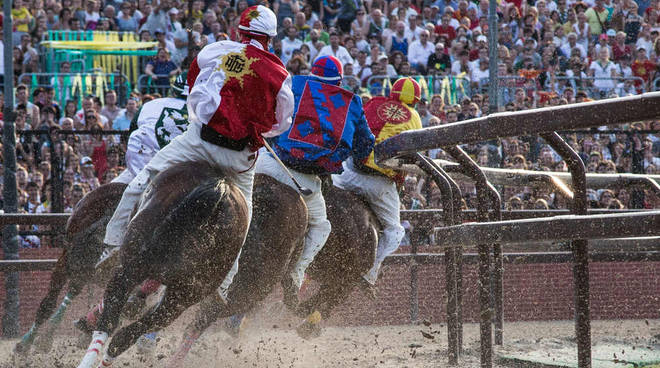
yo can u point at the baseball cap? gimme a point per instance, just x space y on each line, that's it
610 32
86 161
174 11
482 38
602 37
159 30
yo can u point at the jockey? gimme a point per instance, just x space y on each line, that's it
239 93
387 116
328 126
156 124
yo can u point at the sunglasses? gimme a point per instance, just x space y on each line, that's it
90 117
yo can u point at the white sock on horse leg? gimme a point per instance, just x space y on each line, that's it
226 282
97 346
372 275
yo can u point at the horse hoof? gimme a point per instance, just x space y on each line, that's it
309 330
22 348
368 289
233 324
146 344
133 306
82 341
44 344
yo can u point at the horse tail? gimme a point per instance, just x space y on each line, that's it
197 208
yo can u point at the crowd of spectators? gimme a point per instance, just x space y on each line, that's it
550 52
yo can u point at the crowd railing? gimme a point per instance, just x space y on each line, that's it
621 86
74 86
149 84
129 61
452 88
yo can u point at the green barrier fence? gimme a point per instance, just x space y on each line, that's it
74 86
104 50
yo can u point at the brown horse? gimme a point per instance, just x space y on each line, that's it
83 246
186 234
347 255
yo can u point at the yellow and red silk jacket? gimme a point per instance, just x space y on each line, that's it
386 118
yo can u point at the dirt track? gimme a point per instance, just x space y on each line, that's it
268 341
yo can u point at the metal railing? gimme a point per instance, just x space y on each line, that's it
149 84
508 84
452 88
545 122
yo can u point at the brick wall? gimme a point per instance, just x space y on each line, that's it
531 292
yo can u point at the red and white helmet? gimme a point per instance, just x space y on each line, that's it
258 20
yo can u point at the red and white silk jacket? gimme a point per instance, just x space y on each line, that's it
241 91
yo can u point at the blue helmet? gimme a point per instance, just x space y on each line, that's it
328 69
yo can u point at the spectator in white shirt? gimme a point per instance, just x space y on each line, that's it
571 44
604 68
91 15
314 36
413 30
336 50
419 52
404 4
480 72
290 43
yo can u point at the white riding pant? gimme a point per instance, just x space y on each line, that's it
380 192
238 166
125 177
318 226
141 148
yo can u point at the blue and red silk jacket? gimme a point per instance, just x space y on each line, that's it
328 127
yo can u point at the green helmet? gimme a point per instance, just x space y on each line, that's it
180 86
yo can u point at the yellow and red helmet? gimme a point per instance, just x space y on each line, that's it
406 90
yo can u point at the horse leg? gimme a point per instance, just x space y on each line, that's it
138 299
209 311
57 281
126 277
176 300
321 305
45 342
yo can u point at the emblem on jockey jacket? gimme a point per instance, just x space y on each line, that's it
236 65
321 115
171 123
393 113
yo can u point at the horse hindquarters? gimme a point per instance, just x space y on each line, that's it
190 251
201 237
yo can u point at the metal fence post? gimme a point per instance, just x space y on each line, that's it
579 247
10 326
